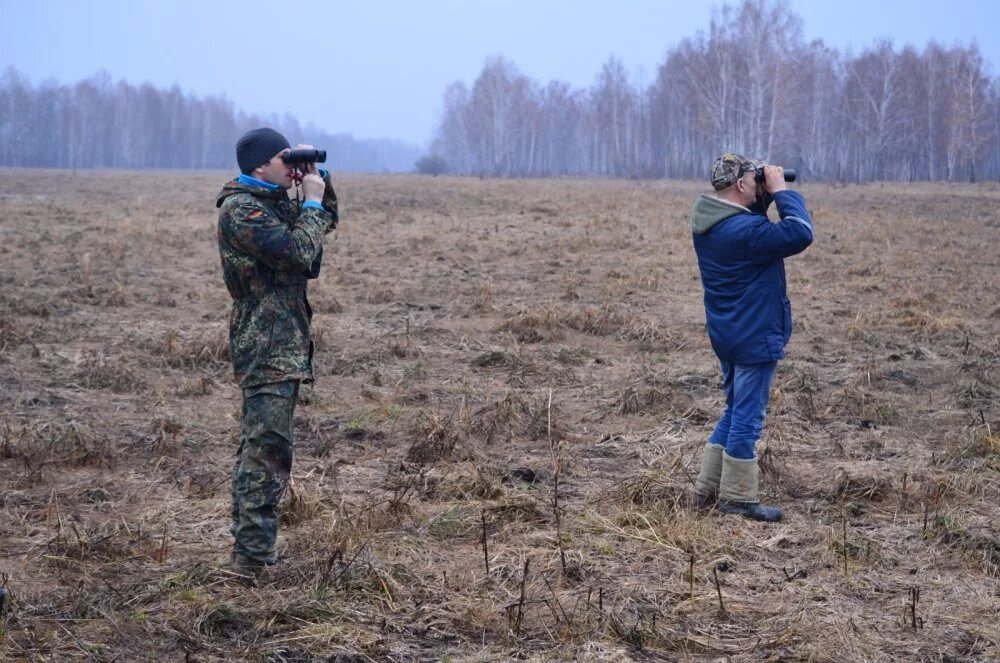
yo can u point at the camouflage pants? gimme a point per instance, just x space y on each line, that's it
263 467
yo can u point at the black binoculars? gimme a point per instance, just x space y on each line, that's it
304 155
789 175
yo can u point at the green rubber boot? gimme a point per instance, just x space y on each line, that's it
706 486
738 490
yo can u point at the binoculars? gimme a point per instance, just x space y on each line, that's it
304 156
789 174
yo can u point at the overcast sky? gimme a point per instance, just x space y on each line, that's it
379 68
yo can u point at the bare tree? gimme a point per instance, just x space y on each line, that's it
747 83
97 123
972 129
614 108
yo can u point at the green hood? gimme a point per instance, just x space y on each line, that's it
709 210
234 187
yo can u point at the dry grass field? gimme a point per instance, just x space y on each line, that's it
517 362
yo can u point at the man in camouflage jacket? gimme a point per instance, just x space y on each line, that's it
270 247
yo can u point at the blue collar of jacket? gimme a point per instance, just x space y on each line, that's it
253 181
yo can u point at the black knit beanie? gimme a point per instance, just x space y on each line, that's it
257 146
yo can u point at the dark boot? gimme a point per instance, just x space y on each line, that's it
752 510
247 565
704 502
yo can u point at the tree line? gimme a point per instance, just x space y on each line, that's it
97 123
749 83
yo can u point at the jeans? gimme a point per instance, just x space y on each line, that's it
747 388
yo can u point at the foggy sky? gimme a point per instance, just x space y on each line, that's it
379 68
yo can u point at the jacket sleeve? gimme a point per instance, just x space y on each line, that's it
767 242
329 205
330 201
252 228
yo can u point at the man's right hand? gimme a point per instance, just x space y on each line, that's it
313 187
774 179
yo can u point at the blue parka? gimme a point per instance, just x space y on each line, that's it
741 259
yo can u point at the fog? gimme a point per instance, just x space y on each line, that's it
379 69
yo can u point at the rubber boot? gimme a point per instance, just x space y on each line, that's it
706 486
247 565
738 489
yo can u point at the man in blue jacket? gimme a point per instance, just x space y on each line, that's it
749 318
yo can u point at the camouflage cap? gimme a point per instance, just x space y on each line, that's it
728 168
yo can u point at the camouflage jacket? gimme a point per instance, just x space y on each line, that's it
269 249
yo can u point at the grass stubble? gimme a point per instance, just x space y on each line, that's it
514 389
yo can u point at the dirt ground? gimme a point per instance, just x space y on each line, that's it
520 362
